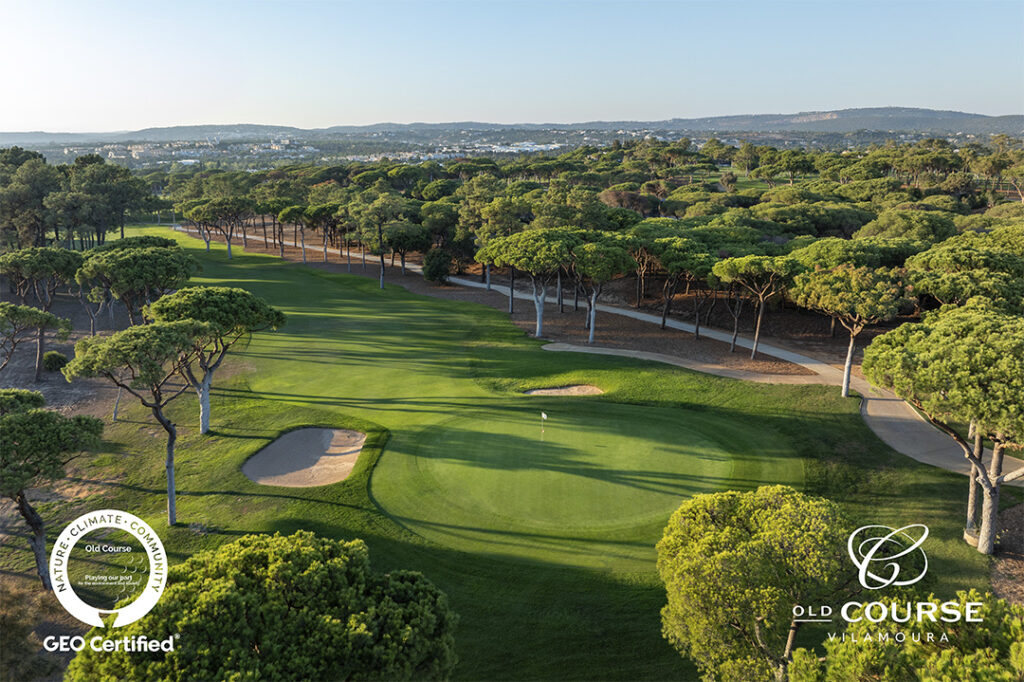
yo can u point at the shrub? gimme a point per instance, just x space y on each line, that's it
437 265
930 226
992 649
141 242
1007 210
300 607
54 361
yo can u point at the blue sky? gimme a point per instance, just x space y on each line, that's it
85 66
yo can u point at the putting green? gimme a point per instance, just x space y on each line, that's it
592 485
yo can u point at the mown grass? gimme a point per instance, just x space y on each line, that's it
403 368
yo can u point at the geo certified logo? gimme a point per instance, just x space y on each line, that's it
108 518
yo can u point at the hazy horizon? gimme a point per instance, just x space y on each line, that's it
466 120
116 66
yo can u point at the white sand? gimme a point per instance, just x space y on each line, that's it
575 389
305 458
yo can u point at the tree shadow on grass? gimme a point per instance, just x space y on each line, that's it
115 485
511 452
523 545
404 404
526 619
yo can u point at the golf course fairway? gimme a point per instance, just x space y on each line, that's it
544 543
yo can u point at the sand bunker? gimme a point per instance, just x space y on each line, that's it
305 458
575 389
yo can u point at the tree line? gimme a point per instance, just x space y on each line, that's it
178 336
75 203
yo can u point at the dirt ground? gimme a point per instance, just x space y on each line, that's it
66 397
613 331
802 330
1008 568
92 397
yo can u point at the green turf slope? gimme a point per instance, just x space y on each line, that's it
592 486
544 545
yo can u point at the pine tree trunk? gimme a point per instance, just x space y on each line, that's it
203 391
847 368
539 296
696 316
972 494
40 349
711 308
172 436
593 316
757 329
670 293
735 324
561 308
990 504
38 539
511 290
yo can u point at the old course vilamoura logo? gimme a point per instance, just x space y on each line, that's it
890 557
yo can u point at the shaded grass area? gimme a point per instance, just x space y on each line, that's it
591 485
418 375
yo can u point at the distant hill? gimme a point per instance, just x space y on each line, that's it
851 120
839 121
895 119
169 134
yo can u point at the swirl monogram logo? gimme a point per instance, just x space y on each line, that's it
881 553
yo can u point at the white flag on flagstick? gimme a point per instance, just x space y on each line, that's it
543 415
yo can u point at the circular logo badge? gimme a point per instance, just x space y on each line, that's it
878 552
140 531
